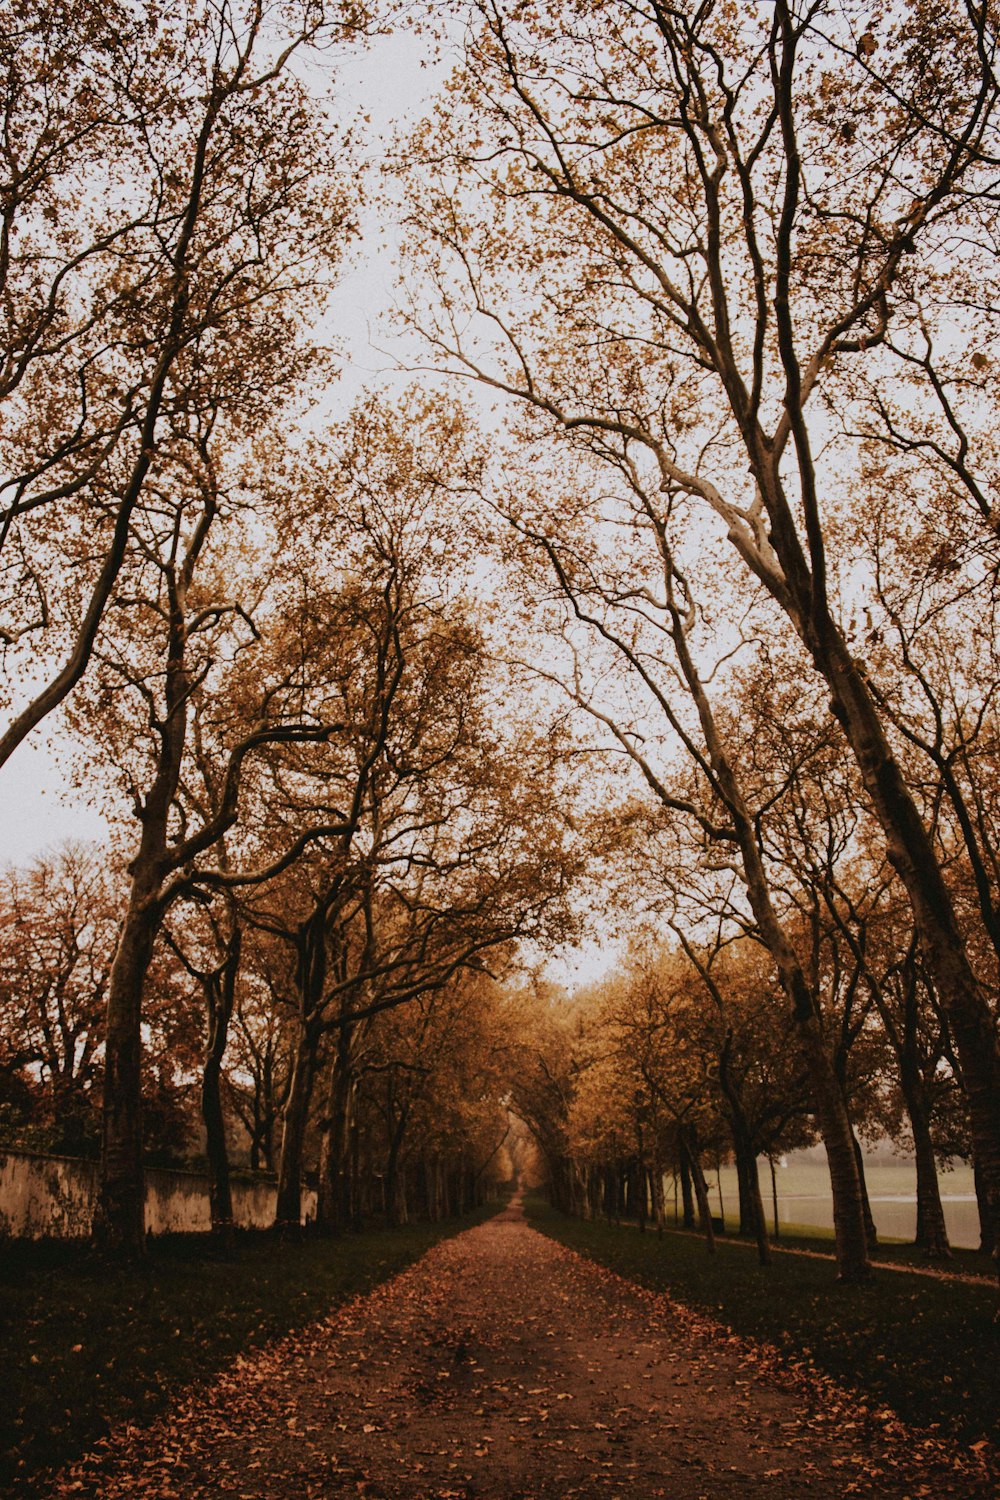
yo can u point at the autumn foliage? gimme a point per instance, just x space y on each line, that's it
690 640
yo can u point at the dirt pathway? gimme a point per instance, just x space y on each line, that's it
502 1365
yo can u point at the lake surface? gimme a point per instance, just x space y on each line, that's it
804 1198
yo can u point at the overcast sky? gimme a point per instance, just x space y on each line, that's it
391 82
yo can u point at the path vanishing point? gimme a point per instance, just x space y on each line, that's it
502 1366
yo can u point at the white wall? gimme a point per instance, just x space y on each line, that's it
54 1196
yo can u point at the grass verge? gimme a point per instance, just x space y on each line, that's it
927 1347
87 1346
819 1241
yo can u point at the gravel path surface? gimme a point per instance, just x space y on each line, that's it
502 1365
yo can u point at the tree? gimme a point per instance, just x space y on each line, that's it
761 1088
168 203
652 1021
210 951
259 1065
634 633
188 635
430 872
546 1055
434 1075
698 235
58 927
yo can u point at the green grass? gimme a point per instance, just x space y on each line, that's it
928 1348
819 1241
86 1347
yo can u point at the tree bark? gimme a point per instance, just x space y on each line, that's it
659 1201
686 1195
752 1221
220 996
288 1212
220 1193
831 1114
871 1232
395 1187
743 1189
987 1230
640 1180
119 1227
932 1232
333 1193
912 855
689 1146
352 1208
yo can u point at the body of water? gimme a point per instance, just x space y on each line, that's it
804 1198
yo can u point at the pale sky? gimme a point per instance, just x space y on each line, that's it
391 84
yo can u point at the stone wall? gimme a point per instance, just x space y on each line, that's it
53 1197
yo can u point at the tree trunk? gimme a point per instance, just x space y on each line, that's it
932 1232
220 996
400 1209
288 1213
987 1229
640 1181
850 1233
333 1191
395 1195
760 1222
912 854
119 1227
831 1115
752 1221
871 1233
585 1182
690 1149
659 1201
743 1190
220 1194
256 1134
351 1206
686 1195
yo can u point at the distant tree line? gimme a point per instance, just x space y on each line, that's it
408 1119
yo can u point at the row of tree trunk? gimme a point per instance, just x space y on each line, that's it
355 1181
629 1189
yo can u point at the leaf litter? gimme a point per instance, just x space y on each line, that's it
503 1366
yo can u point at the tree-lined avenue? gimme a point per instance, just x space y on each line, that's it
503 1365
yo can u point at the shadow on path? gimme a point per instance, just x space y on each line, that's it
502 1366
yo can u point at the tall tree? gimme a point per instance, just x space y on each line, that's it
168 200
452 846
58 928
635 632
700 233
189 634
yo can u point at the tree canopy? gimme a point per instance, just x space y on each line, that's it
689 638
